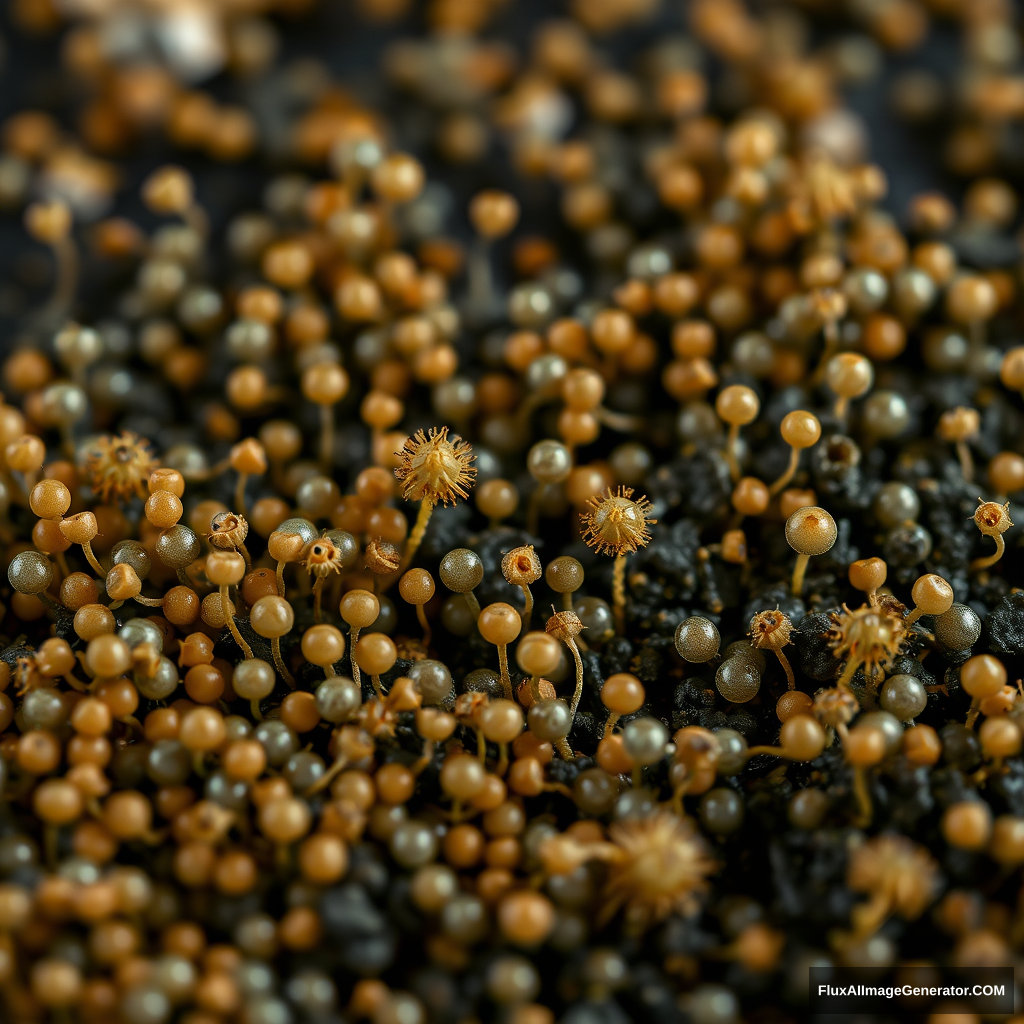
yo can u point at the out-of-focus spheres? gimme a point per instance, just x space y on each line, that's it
509 513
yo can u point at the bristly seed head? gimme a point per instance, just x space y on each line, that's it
228 530
898 870
959 424
834 706
434 468
616 524
564 626
323 557
871 635
992 518
770 629
661 867
521 566
118 468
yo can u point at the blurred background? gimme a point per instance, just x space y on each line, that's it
102 70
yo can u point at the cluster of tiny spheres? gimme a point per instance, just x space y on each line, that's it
535 547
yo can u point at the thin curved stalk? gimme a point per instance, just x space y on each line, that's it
619 594
984 563
86 547
229 619
418 531
275 646
428 633
790 472
506 679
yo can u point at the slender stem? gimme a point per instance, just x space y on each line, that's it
527 611
353 636
794 459
474 604
328 776
679 792
149 602
70 679
731 443
849 671
912 616
195 217
254 707
831 333
329 672
50 837
535 688
481 284
275 646
326 436
91 558
963 453
318 589
984 563
428 633
972 714
225 605
841 407
183 578
243 479
416 537
613 720
63 563
784 661
423 761
860 789
506 680
799 571
567 601
620 421
564 750
619 594
67 440
578 692
481 745
66 253
377 686
276 473
502 765
209 474
244 552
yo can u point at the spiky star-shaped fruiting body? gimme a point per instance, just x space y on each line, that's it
868 637
118 468
661 867
435 469
616 524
